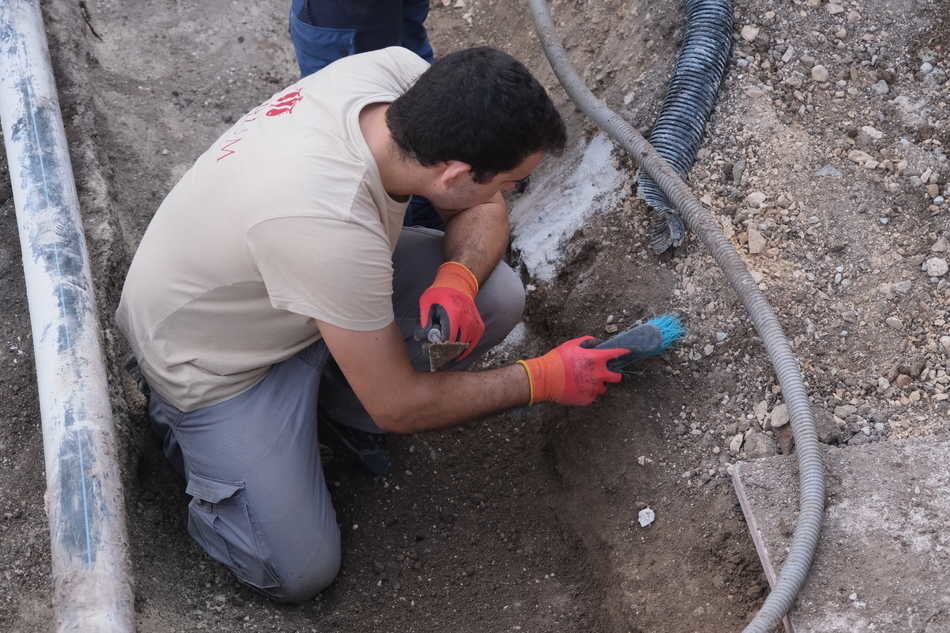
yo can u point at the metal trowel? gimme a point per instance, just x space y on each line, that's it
438 351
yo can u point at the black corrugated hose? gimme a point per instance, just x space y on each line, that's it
700 221
690 99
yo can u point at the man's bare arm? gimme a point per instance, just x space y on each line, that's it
401 399
478 237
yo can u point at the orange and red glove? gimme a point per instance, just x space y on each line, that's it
451 298
571 373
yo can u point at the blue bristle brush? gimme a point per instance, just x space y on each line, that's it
645 340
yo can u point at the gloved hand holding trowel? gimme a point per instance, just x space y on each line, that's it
450 326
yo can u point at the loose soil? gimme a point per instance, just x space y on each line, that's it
527 521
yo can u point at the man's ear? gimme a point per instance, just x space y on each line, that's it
455 172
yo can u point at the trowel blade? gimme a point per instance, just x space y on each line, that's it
441 354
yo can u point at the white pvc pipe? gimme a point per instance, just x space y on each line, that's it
84 504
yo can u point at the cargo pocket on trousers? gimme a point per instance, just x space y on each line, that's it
221 523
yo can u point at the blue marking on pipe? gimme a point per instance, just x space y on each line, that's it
85 505
63 254
79 491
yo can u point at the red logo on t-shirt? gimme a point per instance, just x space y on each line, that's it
285 103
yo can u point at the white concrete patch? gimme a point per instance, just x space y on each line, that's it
560 200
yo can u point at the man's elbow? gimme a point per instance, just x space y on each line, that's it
402 410
394 420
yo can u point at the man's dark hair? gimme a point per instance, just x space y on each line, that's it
479 106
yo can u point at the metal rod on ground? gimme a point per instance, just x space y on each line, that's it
84 503
701 221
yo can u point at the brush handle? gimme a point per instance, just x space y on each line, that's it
643 341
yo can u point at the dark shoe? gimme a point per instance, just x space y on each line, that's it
369 448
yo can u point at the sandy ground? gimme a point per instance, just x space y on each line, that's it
527 521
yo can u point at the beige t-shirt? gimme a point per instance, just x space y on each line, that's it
282 220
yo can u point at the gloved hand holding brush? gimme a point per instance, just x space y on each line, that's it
571 373
577 372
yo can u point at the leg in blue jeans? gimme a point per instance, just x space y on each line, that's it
323 31
326 30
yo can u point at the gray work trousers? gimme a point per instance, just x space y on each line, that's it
260 504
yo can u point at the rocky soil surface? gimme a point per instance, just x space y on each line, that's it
826 164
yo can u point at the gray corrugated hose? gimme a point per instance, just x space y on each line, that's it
701 222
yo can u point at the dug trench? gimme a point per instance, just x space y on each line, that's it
524 521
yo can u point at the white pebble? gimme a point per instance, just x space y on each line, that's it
935 267
750 32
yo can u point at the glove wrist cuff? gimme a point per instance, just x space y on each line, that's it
527 370
545 377
458 276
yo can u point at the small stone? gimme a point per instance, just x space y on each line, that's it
757 242
911 112
894 323
881 88
735 444
779 416
859 157
926 68
834 8
756 199
945 343
646 516
760 409
935 267
903 287
750 32
844 410
828 172
871 133
819 73
933 190
738 171
828 430
903 381
759 445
